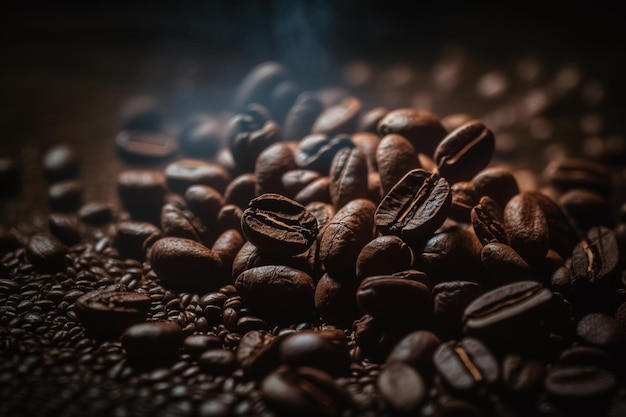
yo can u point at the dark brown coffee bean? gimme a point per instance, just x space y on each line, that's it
454 407
317 191
218 361
204 202
449 302
141 191
367 143
603 331
402 387
295 180
60 163
276 291
335 302
596 257
323 212
132 239
279 225
383 255
305 392
504 264
257 353
270 167
229 217
184 263
488 222
415 207
369 120
145 146
464 198
241 190
586 208
250 256
395 156
9 177
316 151
508 313
96 212
226 246
348 177
465 151
522 376
65 195
178 223
201 136
152 342
344 237
526 227
184 173
568 173
421 127
197 344
281 99
340 118
416 349
576 388
585 356
317 350
106 315
563 236
499 183
301 117
46 253
65 228
258 84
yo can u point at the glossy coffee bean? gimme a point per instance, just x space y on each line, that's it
383 255
301 117
367 143
317 350
401 387
145 146
464 198
504 265
184 173
65 195
563 236
96 212
295 180
317 151
141 189
270 167
497 182
152 342
340 118
46 253
395 156
205 202
526 227
488 222
218 361
226 246
316 191
348 177
416 349
421 127
241 190
132 239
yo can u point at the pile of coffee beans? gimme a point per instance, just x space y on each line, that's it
309 254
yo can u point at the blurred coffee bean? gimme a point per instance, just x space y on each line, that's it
369 120
340 118
201 136
449 302
316 191
421 127
46 253
301 117
60 162
65 228
145 146
218 361
416 349
568 173
580 389
317 151
96 212
152 343
586 208
241 190
317 350
348 177
295 180
132 239
602 331
402 387
204 202
335 301
257 85
184 173
499 183
455 120
65 195
281 99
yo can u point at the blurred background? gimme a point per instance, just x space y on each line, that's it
72 71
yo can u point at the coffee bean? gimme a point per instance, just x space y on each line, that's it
250 256
421 127
184 263
240 190
416 349
197 344
178 223
464 152
499 183
464 198
279 225
301 117
229 217
340 118
522 376
60 163
488 222
563 236
415 207
46 253
601 330
145 146
316 191
271 165
449 301
96 212
526 227
369 120
226 246
218 361
258 84
65 195
132 239
568 173
317 151
295 180
184 173
580 389
383 255
402 387
348 177
106 315
395 156
142 192
65 228
586 208
317 350
367 143
258 354
204 202
504 264
585 356
335 302
281 99
201 136
153 342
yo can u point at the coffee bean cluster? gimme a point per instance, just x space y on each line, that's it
310 255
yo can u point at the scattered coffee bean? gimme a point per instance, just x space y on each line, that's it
60 163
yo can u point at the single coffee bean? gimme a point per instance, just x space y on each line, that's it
504 265
250 256
335 302
316 191
201 136
65 195
522 376
106 315
323 213
229 217
563 236
46 253
464 198
96 212
499 183
344 237
60 163
295 180
178 223
317 151
466 365
145 146
271 165
276 291
141 190
218 361
369 120
526 227
196 344
402 387
301 117
153 342
184 173
488 222
258 353
415 207
509 313
585 356
317 350
279 225
226 246
568 173
449 302
258 84
65 228
586 208
581 389
184 263
340 118
204 202
416 349
464 152
421 127
395 156
383 255
132 239
603 331
281 99
367 143
241 190
348 177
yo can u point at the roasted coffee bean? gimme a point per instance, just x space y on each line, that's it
96 212
526 227
340 118
585 356
141 191
132 239
395 156
504 265
449 302
106 315
421 127
250 256
184 263
226 246
323 213
60 163
416 349
218 361
466 366
499 183
344 237
270 167
276 291
568 173
196 344
464 198
508 314
464 152
204 202
178 223
229 217
201 136
279 225
586 208
522 376
281 99
348 177
295 180
383 255
301 117
603 331
563 236
581 390
317 151
455 407
402 387
241 190
258 84
488 222
65 228
65 195
369 120
317 350
304 391
184 173
415 207
367 143
152 342
335 302
9 177
257 353
317 191
145 146
46 253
